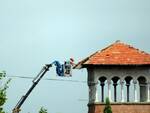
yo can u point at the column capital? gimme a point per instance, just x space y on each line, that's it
115 84
122 82
92 83
109 81
148 83
134 81
102 83
127 84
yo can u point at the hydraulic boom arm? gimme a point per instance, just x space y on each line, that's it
61 70
35 82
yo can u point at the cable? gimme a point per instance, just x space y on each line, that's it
61 80
25 77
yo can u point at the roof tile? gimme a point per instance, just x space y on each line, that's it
117 54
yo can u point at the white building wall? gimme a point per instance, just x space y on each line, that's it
109 72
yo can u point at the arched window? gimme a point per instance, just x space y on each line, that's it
142 88
102 84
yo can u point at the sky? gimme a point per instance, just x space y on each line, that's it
37 32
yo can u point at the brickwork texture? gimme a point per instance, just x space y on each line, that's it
121 108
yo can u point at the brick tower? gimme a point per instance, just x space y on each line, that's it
122 73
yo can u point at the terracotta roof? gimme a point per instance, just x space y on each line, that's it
116 54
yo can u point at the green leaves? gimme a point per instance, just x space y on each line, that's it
107 108
2 74
3 89
43 110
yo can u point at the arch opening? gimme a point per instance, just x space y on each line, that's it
142 88
102 84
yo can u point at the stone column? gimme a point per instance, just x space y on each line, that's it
148 92
102 91
122 90
93 95
128 92
109 89
115 91
135 90
96 97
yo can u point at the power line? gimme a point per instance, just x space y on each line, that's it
26 77
60 80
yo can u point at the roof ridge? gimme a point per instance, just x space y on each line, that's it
139 50
130 46
116 42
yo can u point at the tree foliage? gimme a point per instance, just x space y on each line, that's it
3 88
43 110
107 108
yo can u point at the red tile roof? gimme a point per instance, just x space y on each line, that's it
117 54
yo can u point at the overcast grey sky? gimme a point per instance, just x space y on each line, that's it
35 32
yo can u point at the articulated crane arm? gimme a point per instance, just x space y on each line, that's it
61 70
35 82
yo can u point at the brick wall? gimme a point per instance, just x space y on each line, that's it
121 108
